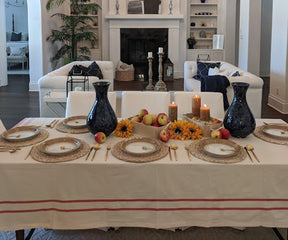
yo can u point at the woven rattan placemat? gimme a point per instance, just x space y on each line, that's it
258 132
62 128
37 155
118 153
195 150
43 134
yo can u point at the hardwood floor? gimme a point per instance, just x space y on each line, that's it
16 102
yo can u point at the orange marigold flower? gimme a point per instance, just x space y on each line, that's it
124 129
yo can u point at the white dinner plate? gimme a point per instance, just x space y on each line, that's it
276 131
219 148
75 122
140 146
20 134
60 146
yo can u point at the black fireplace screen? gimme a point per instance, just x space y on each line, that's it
135 45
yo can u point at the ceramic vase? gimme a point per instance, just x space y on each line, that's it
239 119
203 1
102 117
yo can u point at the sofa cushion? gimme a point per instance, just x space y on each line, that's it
203 69
16 36
16 51
94 70
235 74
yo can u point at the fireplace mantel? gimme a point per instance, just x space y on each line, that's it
144 17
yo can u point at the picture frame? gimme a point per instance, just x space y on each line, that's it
135 6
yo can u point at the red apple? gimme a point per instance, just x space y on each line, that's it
216 134
147 119
100 137
225 133
142 113
164 135
154 118
136 119
155 124
162 119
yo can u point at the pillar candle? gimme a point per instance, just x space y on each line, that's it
160 50
173 112
150 55
205 113
196 103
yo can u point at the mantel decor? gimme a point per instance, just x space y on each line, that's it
160 85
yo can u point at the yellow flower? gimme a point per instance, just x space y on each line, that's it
124 129
184 130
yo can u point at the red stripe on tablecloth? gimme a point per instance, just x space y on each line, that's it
152 200
141 209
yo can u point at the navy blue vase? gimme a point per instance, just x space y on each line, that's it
203 1
102 117
239 119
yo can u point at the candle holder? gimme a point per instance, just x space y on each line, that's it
150 85
170 7
160 85
117 6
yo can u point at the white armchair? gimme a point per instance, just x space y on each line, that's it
55 81
254 93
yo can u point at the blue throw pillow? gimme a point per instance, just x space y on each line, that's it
94 70
236 74
16 36
203 69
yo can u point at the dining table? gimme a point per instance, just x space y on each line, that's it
167 193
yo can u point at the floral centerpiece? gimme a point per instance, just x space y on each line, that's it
184 130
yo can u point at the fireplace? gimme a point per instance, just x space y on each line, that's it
135 45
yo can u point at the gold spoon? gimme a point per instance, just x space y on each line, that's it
188 153
108 149
174 147
96 148
251 148
248 154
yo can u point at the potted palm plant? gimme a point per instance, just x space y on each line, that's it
75 29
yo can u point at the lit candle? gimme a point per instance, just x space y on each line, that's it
160 50
78 89
205 113
196 103
173 112
150 55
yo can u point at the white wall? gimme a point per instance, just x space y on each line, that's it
20 17
278 96
3 60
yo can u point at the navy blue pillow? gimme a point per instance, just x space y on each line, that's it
94 70
203 69
236 74
16 36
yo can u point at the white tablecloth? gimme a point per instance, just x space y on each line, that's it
82 194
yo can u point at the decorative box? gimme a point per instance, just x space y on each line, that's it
206 126
147 130
127 75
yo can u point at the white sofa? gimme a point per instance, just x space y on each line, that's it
254 92
55 81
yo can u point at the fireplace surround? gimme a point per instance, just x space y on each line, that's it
145 21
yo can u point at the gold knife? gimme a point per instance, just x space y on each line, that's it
170 155
29 153
91 148
248 154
